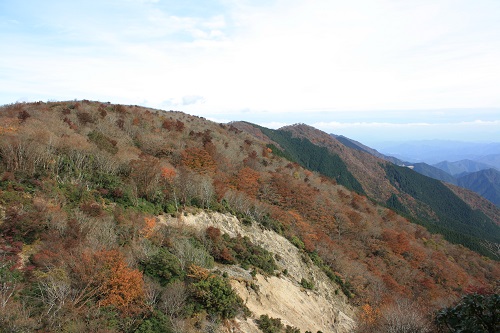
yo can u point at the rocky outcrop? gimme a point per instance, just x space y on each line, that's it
323 308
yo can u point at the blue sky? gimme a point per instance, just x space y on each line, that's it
372 70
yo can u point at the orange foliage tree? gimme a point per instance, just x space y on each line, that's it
369 315
198 160
398 242
168 174
247 181
149 226
107 273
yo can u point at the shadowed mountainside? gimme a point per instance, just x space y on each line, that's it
425 200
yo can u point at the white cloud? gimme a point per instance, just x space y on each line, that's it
339 125
282 59
192 99
274 124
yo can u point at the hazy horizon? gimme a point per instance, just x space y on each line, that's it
373 71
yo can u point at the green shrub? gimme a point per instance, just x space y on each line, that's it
316 259
346 287
163 267
270 325
297 242
157 323
216 296
272 224
474 313
306 284
240 250
291 329
104 180
170 208
148 207
103 142
246 221
190 251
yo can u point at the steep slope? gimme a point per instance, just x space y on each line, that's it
315 158
280 296
433 172
108 223
363 166
359 146
485 183
404 190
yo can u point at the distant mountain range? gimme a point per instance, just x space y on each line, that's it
485 182
462 167
480 174
436 151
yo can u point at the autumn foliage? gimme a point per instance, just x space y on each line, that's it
168 174
92 197
247 181
122 286
198 160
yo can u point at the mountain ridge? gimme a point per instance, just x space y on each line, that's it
435 151
94 199
465 173
461 167
484 182
362 165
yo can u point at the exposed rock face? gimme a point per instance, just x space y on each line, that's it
324 308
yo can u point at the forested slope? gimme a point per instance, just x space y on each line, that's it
85 188
424 200
485 183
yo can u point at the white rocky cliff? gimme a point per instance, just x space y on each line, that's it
324 308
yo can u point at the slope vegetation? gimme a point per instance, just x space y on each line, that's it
485 183
422 199
433 172
120 218
452 217
280 296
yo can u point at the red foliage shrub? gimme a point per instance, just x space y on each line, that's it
118 284
226 256
85 118
23 115
214 234
120 109
120 123
91 208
